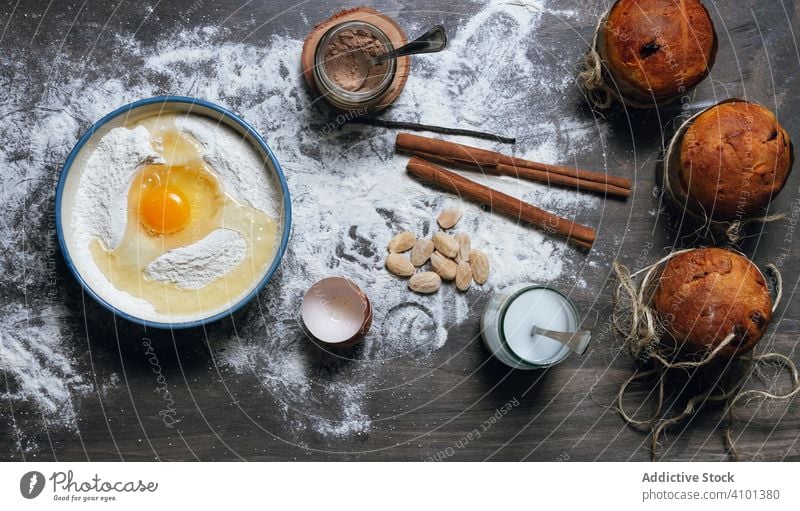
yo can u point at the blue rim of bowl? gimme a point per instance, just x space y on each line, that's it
287 208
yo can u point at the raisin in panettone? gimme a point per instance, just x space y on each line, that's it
657 49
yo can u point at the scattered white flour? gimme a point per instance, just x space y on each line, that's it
40 368
350 192
196 265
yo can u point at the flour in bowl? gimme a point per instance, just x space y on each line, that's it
100 209
101 199
195 266
235 161
231 211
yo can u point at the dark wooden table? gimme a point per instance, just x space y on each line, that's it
562 414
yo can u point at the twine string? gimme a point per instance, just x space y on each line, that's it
641 332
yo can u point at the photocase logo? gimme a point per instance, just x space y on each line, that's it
31 484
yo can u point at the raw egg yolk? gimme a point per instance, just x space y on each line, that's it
164 209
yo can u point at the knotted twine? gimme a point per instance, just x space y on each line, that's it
644 337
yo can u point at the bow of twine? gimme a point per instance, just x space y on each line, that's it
600 95
642 332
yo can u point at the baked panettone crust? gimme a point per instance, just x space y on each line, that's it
658 48
734 158
705 294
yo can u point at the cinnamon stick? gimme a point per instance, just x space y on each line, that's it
534 175
483 157
586 175
450 150
578 234
551 178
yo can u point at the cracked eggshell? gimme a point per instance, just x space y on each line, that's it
336 312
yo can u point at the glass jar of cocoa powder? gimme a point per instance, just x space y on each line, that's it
343 71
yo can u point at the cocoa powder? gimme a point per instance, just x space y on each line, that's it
347 60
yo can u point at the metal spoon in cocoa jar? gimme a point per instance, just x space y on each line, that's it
432 41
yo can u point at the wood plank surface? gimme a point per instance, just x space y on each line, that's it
420 408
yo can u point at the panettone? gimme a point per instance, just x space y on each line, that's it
658 48
734 158
705 294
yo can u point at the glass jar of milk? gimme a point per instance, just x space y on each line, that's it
512 313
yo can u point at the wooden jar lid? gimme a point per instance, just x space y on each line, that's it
373 17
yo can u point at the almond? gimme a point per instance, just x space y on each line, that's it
426 282
421 252
463 276
402 242
449 217
446 268
480 266
445 244
400 265
464 246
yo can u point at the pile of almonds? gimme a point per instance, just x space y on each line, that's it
451 257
